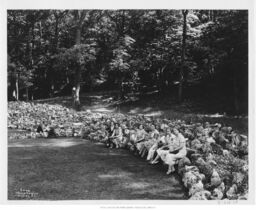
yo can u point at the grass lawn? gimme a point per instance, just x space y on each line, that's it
72 169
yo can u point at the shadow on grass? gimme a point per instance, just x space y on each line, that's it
85 171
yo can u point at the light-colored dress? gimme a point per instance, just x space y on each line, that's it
153 148
179 142
118 134
171 144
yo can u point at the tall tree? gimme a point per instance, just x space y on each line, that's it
183 51
52 50
79 16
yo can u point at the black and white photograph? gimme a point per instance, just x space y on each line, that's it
128 104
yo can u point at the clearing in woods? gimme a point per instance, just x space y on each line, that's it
75 169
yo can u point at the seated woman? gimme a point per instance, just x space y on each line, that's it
140 138
159 142
40 131
126 135
116 137
110 129
167 146
151 139
177 150
46 129
131 140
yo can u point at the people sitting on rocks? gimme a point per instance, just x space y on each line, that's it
116 137
126 137
151 139
39 131
206 154
110 129
42 130
51 133
140 138
176 150
168 145
158 142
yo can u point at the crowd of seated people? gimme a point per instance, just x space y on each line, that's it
196 148
153 142
192 147
158 139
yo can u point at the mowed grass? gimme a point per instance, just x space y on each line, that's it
74 169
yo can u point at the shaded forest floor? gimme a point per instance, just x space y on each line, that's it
151 104
75 169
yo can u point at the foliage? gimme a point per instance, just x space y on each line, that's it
121 45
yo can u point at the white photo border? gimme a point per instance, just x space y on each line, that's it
118 4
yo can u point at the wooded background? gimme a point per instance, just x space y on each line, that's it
185 53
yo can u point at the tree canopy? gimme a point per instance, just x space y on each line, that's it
51 51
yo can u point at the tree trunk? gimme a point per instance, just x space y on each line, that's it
52 88
14 94
41 35
161 81
79 18
17 87
32 44
77 99
56 36
78 72
78 35
235 95
27 94
184 34
214 14
67 79
77 86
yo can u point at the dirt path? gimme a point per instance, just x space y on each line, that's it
71 169
151 105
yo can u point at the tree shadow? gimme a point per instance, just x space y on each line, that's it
86 171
